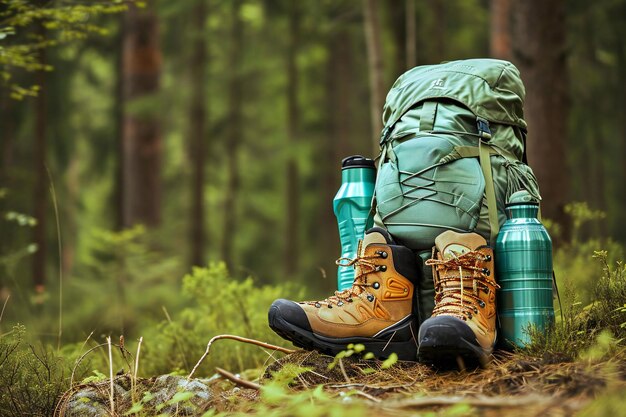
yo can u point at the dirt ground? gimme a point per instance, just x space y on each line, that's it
511 385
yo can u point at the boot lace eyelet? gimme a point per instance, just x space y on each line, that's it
382 254
370 298
481 304
376 285
330 306
486 271
340 303
382 268
349 300
488 258
318 305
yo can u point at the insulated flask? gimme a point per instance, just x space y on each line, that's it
523 257
352 207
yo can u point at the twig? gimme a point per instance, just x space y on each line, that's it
239 381
318 374
86 340
137 357
111 376
368 396
384 386
79 360
302 381
343 371
239 339
133 380
350 385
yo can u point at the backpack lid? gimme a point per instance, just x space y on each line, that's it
490 88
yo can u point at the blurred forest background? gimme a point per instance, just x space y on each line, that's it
141 139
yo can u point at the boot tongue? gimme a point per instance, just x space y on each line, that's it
375 235
451 244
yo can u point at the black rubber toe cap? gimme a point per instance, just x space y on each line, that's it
445 331
288 311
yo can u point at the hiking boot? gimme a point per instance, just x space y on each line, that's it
376 311
462 328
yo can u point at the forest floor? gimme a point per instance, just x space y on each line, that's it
511 385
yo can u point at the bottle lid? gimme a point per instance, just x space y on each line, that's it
521 197
357 161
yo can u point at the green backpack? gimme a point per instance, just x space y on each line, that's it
451 152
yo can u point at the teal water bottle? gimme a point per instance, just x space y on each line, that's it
523 257
352 207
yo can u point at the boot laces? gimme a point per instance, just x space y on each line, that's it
452 295
365 266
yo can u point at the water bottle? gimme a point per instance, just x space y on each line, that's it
523 257
352 207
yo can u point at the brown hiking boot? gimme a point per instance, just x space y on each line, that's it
376 311
463 323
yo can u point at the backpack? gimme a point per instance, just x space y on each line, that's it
452 151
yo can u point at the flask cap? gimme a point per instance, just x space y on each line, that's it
521 197
357 161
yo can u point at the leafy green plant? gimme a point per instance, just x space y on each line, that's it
350 350
608 310
217 304
138 279
32 378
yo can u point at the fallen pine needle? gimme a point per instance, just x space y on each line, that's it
482 401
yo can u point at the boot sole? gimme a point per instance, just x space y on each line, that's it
443 347
398 339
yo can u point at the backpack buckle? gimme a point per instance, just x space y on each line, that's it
384 136
483 129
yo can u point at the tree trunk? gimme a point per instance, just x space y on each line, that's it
439 32
619 230
539 51
500 40
396 21
118 117
234 134
7 113
339 88
411 35
40 198
197 137
375 64
293 121
142 143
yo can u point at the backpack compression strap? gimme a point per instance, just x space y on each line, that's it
492 207
427 121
